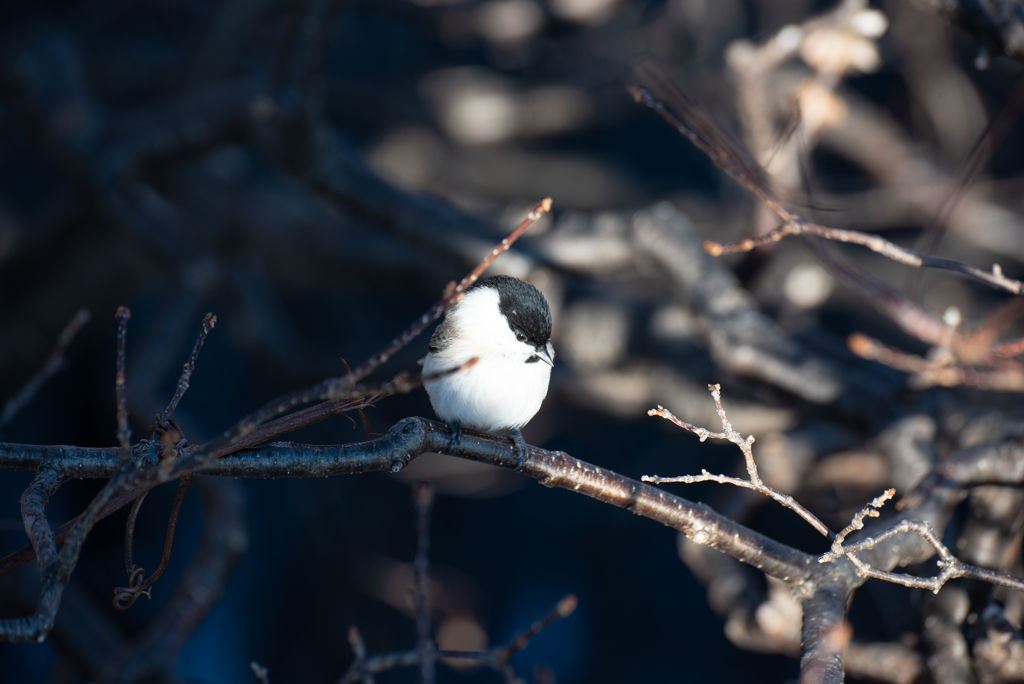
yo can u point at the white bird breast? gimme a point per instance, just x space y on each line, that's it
499 392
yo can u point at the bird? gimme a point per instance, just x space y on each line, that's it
505 323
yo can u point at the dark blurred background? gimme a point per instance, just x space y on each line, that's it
314 173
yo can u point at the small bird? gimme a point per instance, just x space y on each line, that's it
506 324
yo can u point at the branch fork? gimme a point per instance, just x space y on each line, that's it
746 445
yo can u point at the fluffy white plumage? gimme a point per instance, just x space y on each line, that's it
501 391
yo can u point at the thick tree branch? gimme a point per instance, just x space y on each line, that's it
825 634
822 588
412 437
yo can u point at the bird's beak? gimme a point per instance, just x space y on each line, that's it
547 354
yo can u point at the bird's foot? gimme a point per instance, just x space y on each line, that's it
456 429
519 447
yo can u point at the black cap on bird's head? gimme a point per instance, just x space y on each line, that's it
523 306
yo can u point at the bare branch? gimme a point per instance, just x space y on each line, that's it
1007 376
103 463
355 640
564 608
949 566
370 434
247 432
746 446
869 511
687 119
33 511
26 554
414 436
423 500
497 658
797 226
124 433
380 663
124 597
826 634
209 321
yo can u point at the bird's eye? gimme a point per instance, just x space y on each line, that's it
521 337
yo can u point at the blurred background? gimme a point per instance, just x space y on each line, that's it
314 173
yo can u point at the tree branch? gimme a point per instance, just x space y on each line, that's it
411 437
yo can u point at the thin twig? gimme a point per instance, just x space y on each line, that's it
124 433
746 446
53 364
786 500
994 133
687 119
565 607
955 347
125 597
367 430
62 532
328 391
794 225
950 566
129 538
699 130
910 317
423 500
496 658
450 297
209 321
380 663
869 511
1006 376
154 649
977 345
355 640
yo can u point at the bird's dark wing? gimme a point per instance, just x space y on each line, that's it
441 338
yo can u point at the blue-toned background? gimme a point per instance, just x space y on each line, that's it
152 155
